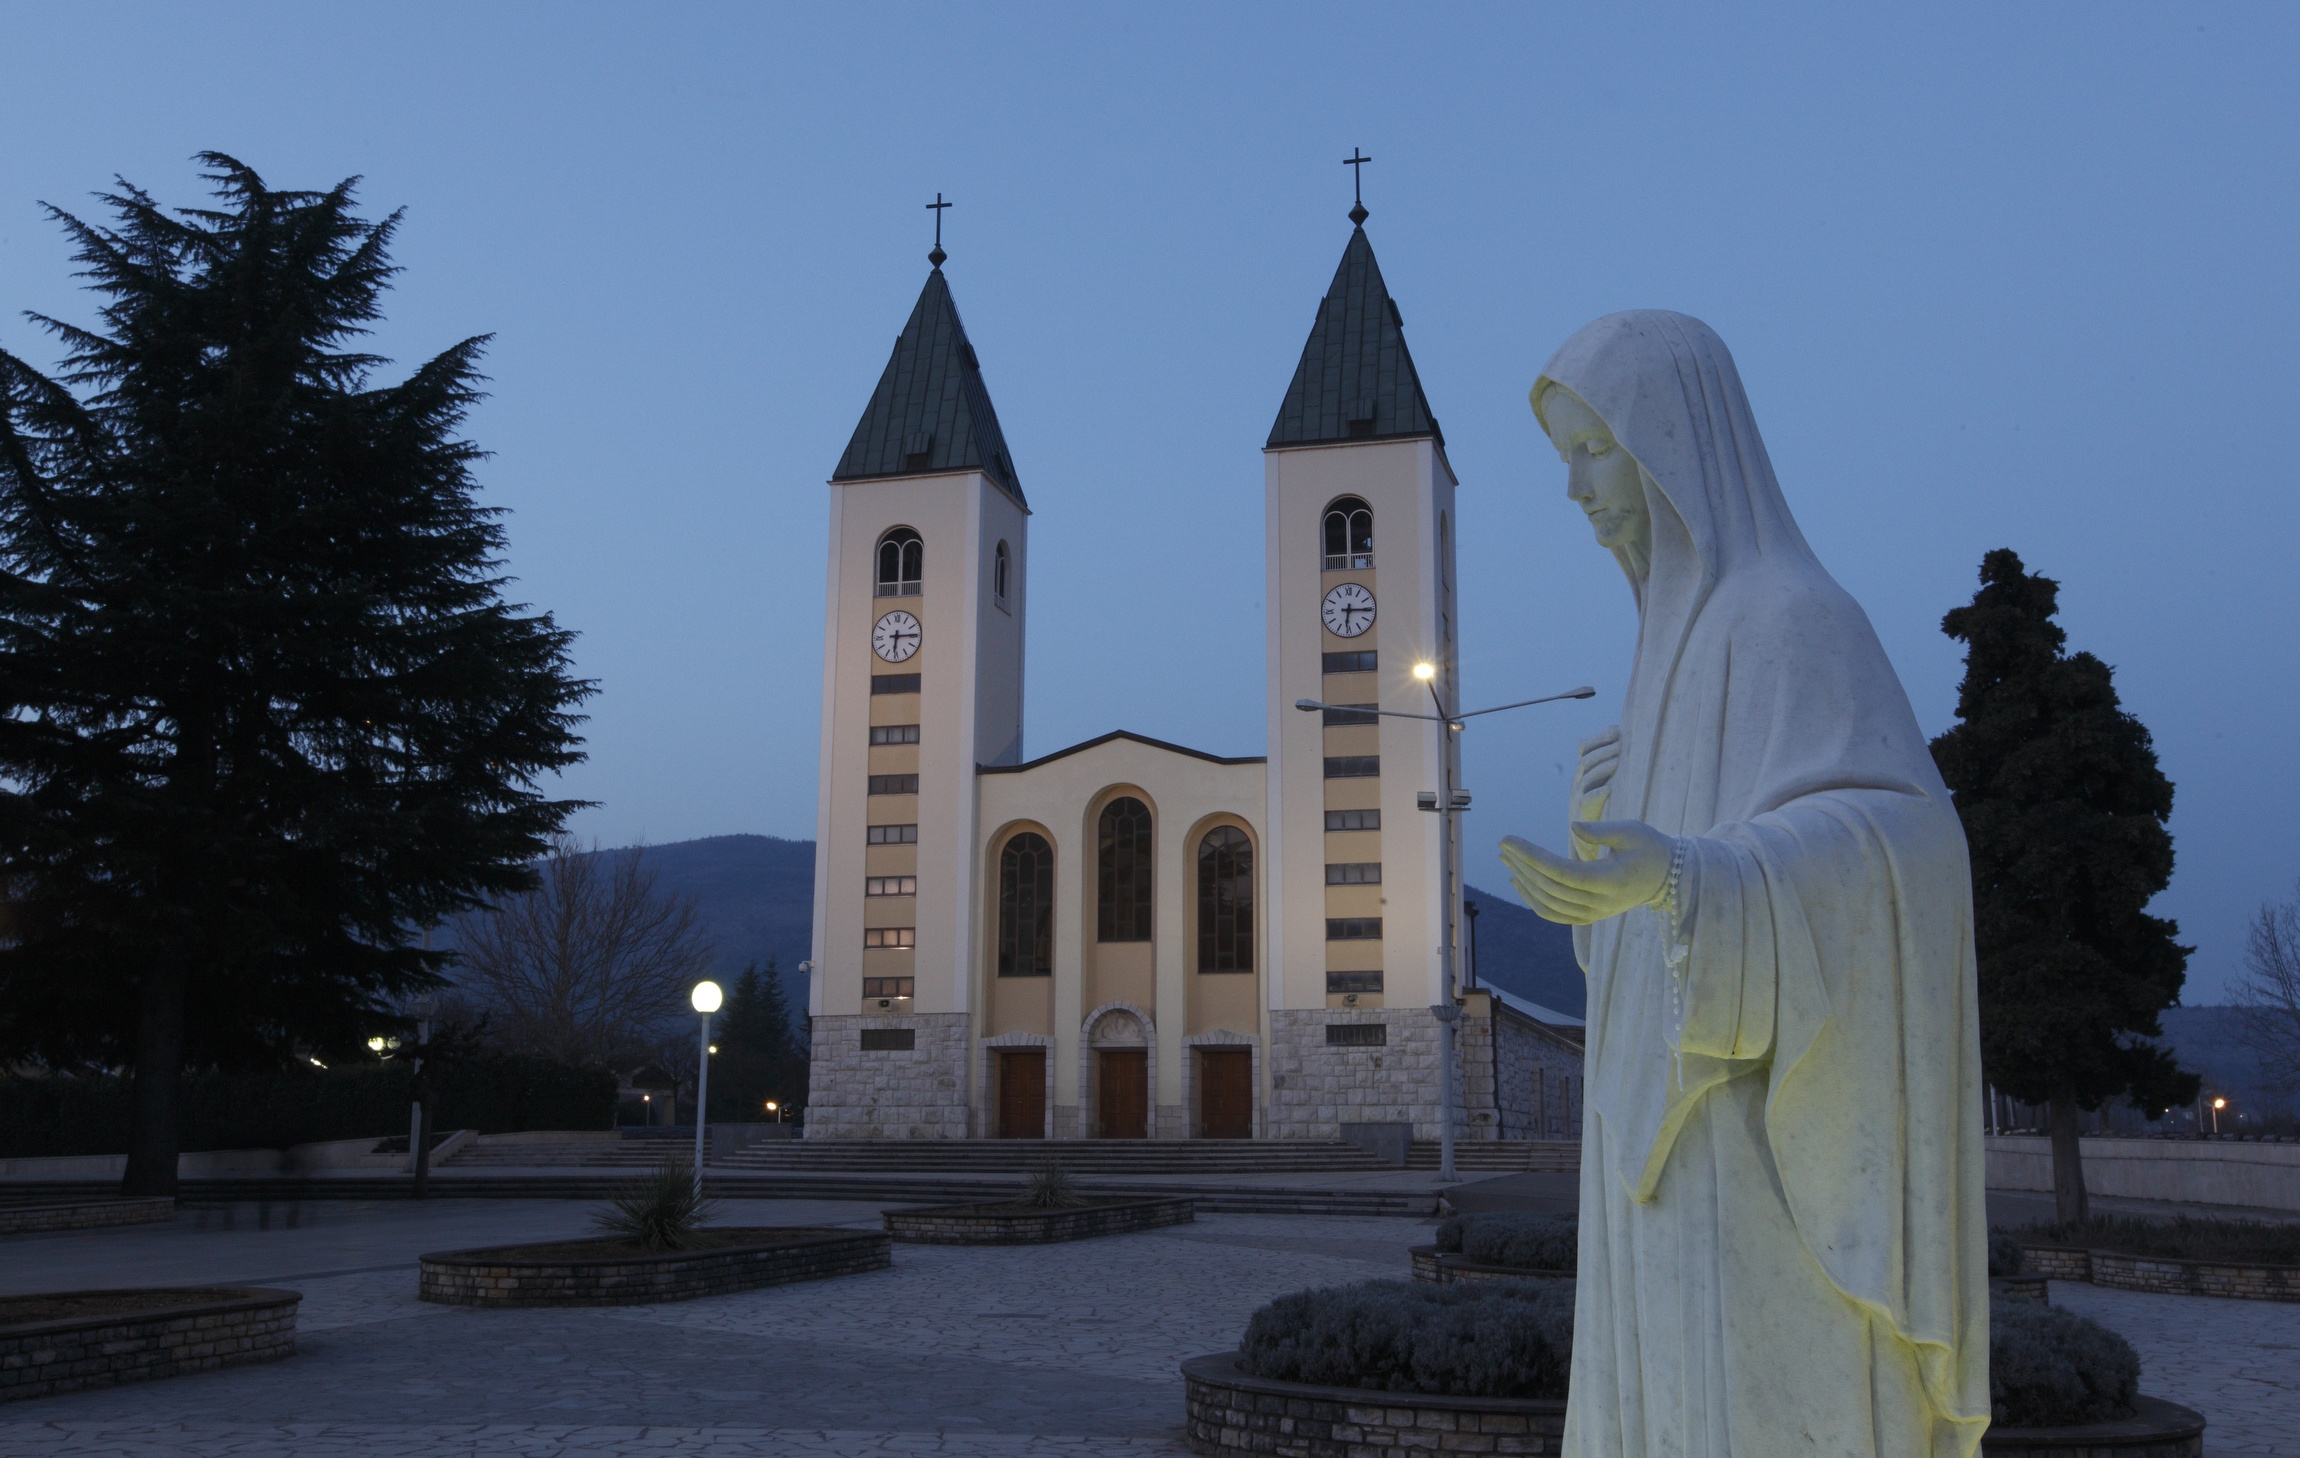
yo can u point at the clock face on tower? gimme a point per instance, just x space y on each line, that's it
896 637
1349 610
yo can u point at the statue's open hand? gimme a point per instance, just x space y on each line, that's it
1580 891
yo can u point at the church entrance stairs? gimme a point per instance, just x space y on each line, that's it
1515 1156
1078 1156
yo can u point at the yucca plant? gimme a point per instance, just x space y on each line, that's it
1052 1189
661 1211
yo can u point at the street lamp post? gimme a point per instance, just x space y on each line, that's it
706 997
1447 802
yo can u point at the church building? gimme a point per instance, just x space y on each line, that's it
1125 938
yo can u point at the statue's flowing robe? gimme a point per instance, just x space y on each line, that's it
1783 1242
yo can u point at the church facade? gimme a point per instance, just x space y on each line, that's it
1128 938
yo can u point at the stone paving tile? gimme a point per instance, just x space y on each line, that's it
2237 1362
370 1440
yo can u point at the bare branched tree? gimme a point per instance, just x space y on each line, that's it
591 966
2268 993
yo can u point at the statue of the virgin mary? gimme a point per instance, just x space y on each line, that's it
1783 1244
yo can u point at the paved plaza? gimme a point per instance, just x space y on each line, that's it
1052 1350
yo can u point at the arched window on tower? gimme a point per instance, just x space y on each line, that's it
1225 901
1123 907
1349 535
1026 907
999 566
901 560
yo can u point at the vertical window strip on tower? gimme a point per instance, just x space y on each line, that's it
1353 820
1225 901
1353 766
894 784
1349 535
1026 907
1342 983
889 986
901 563
1353 928
1123 907
890 885
891 938
1343 715
892 835
1353 873
894 683
1358 661
894 734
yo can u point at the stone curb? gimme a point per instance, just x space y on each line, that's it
965 1225
1231 1412
1446 1269
497 1276
87 1214
245 1324
2163 1275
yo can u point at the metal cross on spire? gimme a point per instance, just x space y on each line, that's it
1357 165
936 208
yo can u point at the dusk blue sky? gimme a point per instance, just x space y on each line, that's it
1995 275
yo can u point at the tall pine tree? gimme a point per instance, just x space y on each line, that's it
758 1057
266 710
2064 808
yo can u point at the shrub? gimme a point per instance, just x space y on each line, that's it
1512 1238
2051 1368
661 1211
2005 1253
2185 1238
1052 1189
1494 1339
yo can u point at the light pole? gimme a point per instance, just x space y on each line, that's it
1447 802
706 997
2217 1106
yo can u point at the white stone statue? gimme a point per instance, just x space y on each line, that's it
1783 1244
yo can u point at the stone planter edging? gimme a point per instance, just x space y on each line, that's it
497 1276
965 1225
244 1324
2157 1429
1448 1269
87 1214
2056 1262
1231 1412
2166 1276
2025 1286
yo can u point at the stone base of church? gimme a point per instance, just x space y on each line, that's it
1316 1086
889 1093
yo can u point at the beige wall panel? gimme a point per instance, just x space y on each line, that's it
890 860
892 709
1354 739
893 759
1352 794
1351 688
1223 1000
1340 1001
1020 1005
1353 847
1355 901
1123 972
1365 956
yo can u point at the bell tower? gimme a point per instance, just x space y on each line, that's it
1359 503
922 682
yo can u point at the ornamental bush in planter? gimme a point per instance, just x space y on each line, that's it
1504 1339
1512 1238
2050 1368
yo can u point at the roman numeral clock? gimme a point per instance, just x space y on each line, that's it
1349 610
895 637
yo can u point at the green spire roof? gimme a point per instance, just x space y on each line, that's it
1356 381
931 411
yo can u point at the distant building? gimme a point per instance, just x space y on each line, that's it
1127 938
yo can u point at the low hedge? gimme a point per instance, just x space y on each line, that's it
494 1094
2184 1238
2047 1367
1500 1339
1511 1238
2050 1368
2005 1253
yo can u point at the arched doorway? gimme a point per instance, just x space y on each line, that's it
1118 1042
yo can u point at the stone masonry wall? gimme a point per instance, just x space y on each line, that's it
1532 1079
1316 1088
87 1215
68 1356
914 1094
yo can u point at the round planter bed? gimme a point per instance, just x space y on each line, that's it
1002 1222
2169 1276
1230 1412
2025 1286
2056 1262
613 1271
2157 1429
65 1341
87 1214
1432 1264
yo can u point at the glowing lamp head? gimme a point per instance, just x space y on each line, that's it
1425 671
375 1045
772 1106
2220 1103
707 996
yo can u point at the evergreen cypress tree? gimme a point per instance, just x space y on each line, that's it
266 710
2064 808
757 1059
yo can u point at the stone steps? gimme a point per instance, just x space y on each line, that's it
1516 1156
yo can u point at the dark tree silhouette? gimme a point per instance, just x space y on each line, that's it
758 1057
265 708
2064 808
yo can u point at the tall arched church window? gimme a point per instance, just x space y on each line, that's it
999 566
1225 901
1349 535
1123 907
901 563
1026 907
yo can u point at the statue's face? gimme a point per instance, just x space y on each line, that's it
1600 476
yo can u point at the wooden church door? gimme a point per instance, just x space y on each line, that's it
1226 1093
1122 1092
1022 1093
